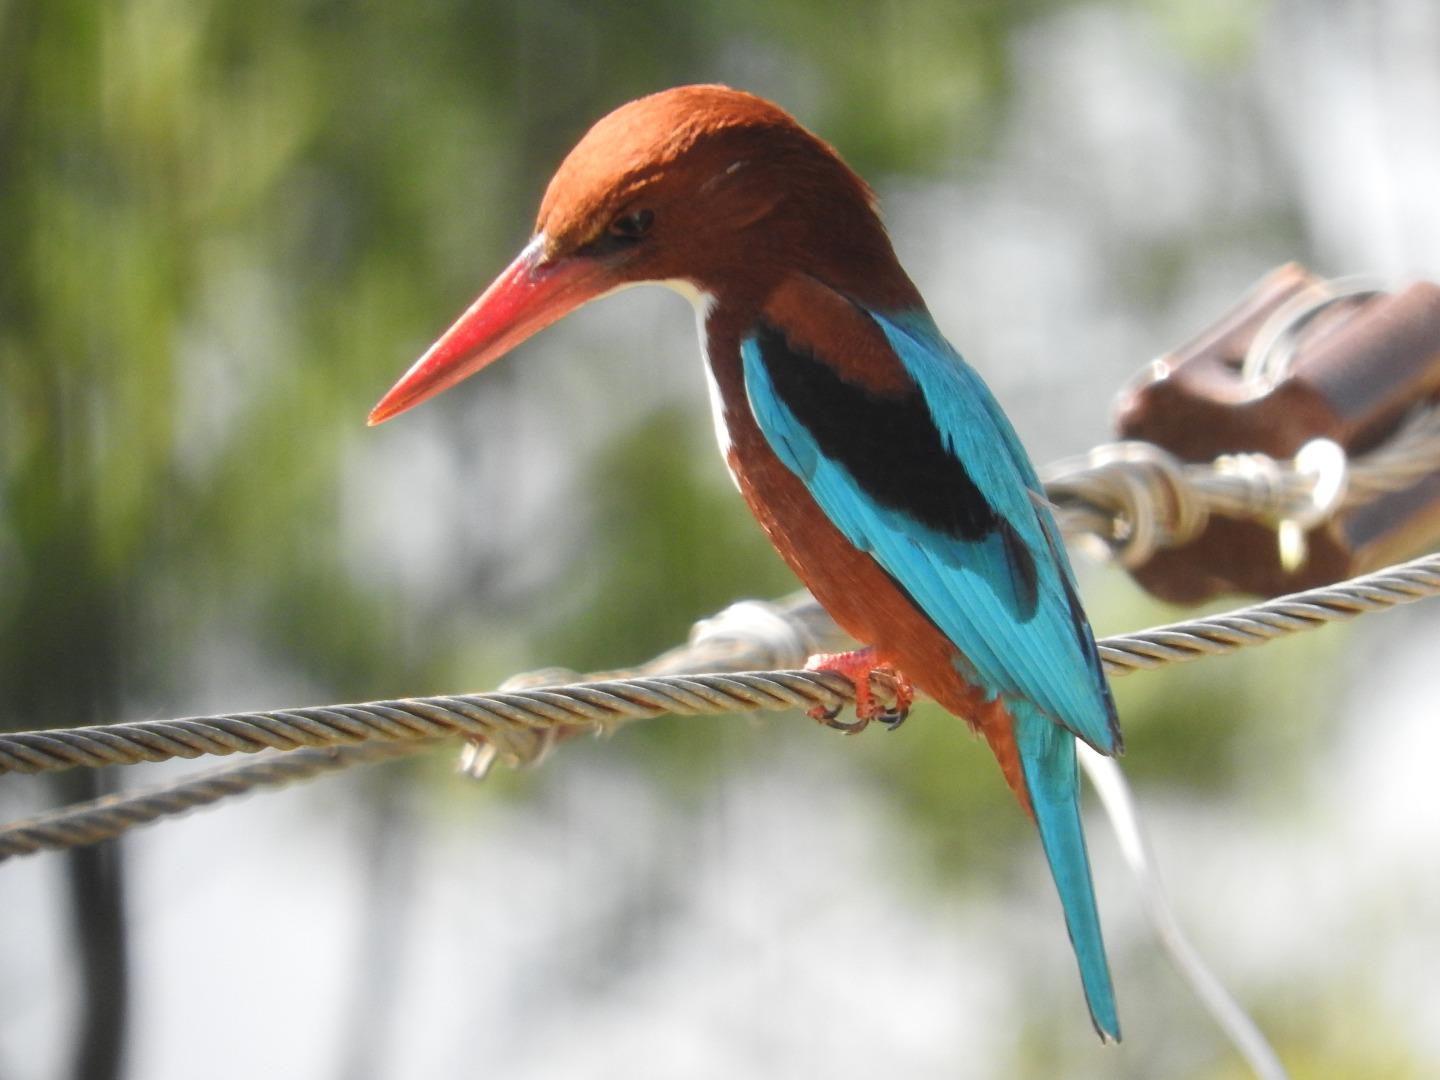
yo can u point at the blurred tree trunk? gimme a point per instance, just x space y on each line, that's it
95 879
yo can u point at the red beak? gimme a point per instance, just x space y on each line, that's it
528 296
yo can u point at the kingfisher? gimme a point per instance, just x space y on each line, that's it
873 456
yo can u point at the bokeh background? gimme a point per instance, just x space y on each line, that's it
227 225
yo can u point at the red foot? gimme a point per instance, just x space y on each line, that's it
858 666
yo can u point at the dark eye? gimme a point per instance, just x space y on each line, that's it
632 225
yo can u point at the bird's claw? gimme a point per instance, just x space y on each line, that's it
830 718
858 667
894 716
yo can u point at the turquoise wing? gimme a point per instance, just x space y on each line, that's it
934 484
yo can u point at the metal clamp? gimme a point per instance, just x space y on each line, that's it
1304 369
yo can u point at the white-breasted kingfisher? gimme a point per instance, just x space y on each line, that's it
874 457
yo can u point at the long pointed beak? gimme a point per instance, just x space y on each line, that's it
528 296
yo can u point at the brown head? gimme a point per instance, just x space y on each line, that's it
709 189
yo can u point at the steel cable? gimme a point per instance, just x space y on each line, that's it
332 737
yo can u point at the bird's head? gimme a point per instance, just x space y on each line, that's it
713 191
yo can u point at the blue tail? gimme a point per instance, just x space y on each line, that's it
1047 755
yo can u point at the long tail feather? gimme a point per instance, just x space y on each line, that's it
1047 756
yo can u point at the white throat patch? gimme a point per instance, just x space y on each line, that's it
704 303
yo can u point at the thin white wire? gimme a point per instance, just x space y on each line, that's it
1244 1034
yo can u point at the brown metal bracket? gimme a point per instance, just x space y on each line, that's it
1297 359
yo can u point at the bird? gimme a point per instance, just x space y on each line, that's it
874 457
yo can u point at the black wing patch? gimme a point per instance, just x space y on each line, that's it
1023 574
892 447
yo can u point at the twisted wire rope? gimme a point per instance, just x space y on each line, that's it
591 706
110 815
508 721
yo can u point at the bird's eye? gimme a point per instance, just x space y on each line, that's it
632 225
